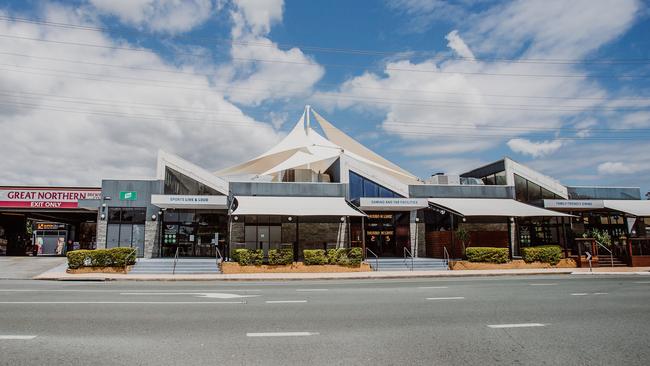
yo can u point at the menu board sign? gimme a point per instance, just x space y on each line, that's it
28 197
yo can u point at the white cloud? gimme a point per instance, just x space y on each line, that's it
443 102
169 16
259 15
67 128
458 45
618 167
534 149
260 70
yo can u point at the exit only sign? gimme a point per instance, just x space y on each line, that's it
128 196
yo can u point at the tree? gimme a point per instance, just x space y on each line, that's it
463 236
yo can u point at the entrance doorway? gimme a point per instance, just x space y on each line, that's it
387 233
194 233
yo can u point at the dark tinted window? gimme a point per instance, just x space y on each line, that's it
521 189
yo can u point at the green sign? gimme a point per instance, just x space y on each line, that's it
128 196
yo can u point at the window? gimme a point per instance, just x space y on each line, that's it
534 192
521 189
501 178
178 183
126 228
363 187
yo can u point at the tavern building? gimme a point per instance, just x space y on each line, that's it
322 191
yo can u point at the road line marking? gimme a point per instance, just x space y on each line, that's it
520 325
431 287
580 294
285 301
543 284
311 289
282 334
446 298
601 293
642 282
122 291
211 295
17 337
118 302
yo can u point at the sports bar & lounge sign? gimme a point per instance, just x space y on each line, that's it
32 197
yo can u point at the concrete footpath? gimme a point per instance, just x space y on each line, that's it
58 273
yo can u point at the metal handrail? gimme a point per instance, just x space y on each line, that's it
175 260
133 253
611 255
218 256
445 255
405 251
376 258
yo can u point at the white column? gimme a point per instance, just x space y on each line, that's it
413 232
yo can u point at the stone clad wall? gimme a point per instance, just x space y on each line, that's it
101 233
151 242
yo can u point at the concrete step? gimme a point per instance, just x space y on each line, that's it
399 264
166 266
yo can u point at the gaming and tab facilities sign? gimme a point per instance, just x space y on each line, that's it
51 198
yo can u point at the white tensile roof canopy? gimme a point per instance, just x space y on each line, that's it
304 148
493 207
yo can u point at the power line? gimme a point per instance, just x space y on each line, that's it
336 49
166 108
348 66
249 124
319 83
436 104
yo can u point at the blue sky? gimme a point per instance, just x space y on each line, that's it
92 89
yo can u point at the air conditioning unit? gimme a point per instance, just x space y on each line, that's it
440 178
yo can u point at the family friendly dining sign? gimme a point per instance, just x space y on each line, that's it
37 197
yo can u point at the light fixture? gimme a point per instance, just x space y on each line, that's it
512 219
236 218
103 205
153 217
102 216
464 219
342 218
417 219
289 218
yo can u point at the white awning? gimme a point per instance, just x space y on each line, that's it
294 206
189 202
632 207
493 207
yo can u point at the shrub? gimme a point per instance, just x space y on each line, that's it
280 256
314 257
543 253
247 257
336 256
487 254
114 257
355 256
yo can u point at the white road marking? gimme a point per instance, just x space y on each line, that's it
431 287
311 289
543 284
642 282
17 337
285 301
282 334
601 293
211 295
120 291
119 302
519 325
580 294
446 298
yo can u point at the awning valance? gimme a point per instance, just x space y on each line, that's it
212 202
492 207
632 207
294 206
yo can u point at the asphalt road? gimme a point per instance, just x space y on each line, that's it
537 320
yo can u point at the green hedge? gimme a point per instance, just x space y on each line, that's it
345 256
487 254
280 256
314 257
248 257
543 253
114 257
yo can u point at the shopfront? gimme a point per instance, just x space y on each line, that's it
387 233
194 233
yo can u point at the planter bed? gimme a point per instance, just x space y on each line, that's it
514 264
98 270
297 267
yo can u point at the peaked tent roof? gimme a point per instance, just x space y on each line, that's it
304 147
